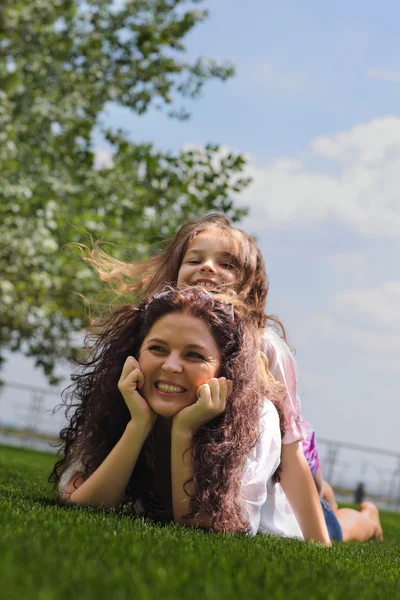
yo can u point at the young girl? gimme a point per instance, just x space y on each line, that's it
171 413
212 253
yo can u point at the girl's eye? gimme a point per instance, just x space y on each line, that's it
228 265
193 261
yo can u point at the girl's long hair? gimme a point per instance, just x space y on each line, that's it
98 415
147 277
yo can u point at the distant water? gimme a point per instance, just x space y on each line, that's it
24 441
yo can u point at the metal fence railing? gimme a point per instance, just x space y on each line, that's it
27 415
346 464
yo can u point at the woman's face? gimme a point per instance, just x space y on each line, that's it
210 260
178 355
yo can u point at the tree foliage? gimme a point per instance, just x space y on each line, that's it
61 63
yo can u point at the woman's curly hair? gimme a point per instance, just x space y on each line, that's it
98 415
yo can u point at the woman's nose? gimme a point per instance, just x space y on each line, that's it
172 364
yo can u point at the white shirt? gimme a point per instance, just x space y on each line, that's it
266 505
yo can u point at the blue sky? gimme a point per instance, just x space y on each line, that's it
302 72
315 107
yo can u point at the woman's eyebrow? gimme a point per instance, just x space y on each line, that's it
157 341
187 347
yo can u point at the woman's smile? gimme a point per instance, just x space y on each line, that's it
167 387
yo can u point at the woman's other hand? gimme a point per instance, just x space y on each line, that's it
211 402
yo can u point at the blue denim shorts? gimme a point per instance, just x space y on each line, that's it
333 525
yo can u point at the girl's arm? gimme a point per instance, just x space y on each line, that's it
299 487
211 402
106 486
296 477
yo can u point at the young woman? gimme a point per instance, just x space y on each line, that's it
174 412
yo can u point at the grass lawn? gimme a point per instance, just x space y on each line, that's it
50 551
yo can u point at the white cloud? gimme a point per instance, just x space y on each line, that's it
369 144
393 76
358 183
289 81
369 341
368 320
379 307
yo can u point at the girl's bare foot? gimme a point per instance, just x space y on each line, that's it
371 511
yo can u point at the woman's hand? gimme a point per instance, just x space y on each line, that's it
131 380
211 402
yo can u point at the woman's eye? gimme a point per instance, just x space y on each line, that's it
157 349
196 356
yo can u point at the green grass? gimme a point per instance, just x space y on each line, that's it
50 551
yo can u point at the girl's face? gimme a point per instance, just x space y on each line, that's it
177 356
210 260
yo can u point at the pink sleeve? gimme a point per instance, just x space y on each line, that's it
283 367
